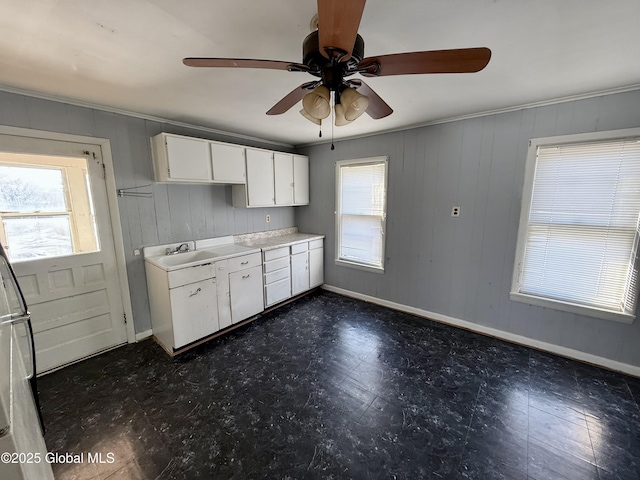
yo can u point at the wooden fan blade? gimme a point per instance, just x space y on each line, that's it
377 108
239 63
292 98
338 22
464 60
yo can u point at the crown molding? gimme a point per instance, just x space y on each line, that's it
105 108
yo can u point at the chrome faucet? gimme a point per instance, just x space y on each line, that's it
179 249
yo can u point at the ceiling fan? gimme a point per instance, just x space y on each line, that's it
335 52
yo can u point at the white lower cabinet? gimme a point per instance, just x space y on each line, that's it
224 294
292 270
316 263
245 287
239 288
191 303
194 309
183 304
299 268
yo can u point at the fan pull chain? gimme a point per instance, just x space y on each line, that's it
332 122
320 134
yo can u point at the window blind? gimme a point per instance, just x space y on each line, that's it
582 236
362 212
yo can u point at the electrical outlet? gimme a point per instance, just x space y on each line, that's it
136 252
268 218
455 211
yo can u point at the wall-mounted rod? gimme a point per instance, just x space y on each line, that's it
124 192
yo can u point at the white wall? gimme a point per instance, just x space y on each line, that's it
175 213
461 267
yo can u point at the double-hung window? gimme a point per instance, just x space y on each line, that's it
361 195
578 236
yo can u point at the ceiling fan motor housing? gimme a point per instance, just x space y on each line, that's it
332 71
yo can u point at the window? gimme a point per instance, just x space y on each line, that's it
578 235
45 206
361 193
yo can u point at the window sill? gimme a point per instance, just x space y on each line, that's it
572 308
359 266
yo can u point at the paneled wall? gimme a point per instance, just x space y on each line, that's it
175 213
462 267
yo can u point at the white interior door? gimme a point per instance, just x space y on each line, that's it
57 228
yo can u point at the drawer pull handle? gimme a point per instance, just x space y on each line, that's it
245 262
246 276
196 292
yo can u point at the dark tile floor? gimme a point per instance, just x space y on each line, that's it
330 387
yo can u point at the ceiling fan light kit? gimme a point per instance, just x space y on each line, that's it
335 52
354 104
317 121
341 119
317 104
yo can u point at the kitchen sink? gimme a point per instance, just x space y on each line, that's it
186 259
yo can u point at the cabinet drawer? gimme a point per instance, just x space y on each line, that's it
276 264
245 261
276 253
276 292
299 247
191 274
277 275
313 244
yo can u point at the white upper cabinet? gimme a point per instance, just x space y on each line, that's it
283 181
181 159
260 189
260 178
228 163
300 180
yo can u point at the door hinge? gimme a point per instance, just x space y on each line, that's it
104 172
124 315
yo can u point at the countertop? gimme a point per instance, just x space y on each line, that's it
213 249
270 242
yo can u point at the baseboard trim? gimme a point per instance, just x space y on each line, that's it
143 335
494 332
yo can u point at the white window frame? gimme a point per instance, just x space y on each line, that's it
530 169
349 263
77 197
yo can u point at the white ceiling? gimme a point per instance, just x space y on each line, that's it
127 54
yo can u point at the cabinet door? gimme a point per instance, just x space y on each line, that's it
224 298
227 163
299 273
188 159
246 293
260 190
300 180
194 310
283 170
316 267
